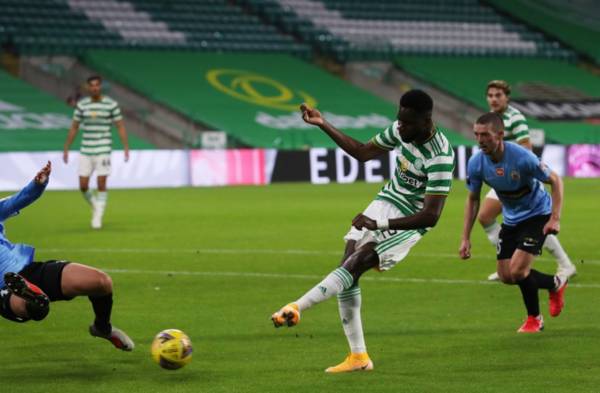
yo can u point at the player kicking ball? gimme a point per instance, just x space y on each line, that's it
403 211
529 212
27 287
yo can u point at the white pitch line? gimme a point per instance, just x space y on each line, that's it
264 251
316 277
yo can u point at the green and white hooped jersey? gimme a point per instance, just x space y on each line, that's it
515 125
95 119
420 169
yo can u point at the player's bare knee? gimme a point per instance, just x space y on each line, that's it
104 283
485 219
360 261
518 274
506 278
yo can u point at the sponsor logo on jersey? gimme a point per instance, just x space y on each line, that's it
499 171
404 164
409 180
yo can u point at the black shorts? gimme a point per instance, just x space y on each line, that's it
46 275
527 235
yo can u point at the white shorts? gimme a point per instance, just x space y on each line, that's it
90 164
492 194
392 245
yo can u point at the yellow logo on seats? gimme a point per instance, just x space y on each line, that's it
257 89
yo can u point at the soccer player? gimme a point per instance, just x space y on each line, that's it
28 287
402 212
529 213
95 114
515 130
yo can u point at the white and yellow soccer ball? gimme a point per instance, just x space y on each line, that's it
172 349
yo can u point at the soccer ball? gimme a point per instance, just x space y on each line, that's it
172 349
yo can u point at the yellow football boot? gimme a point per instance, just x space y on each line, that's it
288 315
353 362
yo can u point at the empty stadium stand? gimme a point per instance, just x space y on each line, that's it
74 26
574 22
358 30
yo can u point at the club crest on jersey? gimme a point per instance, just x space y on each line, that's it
404 164
418 164
499 171
515 175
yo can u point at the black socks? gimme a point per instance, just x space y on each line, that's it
102 307
529 289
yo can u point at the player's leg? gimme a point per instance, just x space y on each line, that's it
85 170
349 305
503 271
565 266
12 307
21 300
363 259
531 240
530 281
520 271
514 267
391 248
103 169
290 314
101 199
80 280
84 187
491 208
523 243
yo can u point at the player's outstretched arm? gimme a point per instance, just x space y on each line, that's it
552 227
27 195
360 151
426 218
471 210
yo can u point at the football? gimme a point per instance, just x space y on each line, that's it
172 349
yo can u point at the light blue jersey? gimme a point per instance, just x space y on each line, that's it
517 179
15 257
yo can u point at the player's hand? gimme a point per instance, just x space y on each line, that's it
66 156
465 249
552 227
126 155
361 221
43 175
311 115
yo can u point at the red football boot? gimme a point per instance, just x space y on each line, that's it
557 299
21 287
532 325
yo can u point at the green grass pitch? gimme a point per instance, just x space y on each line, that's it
217 262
